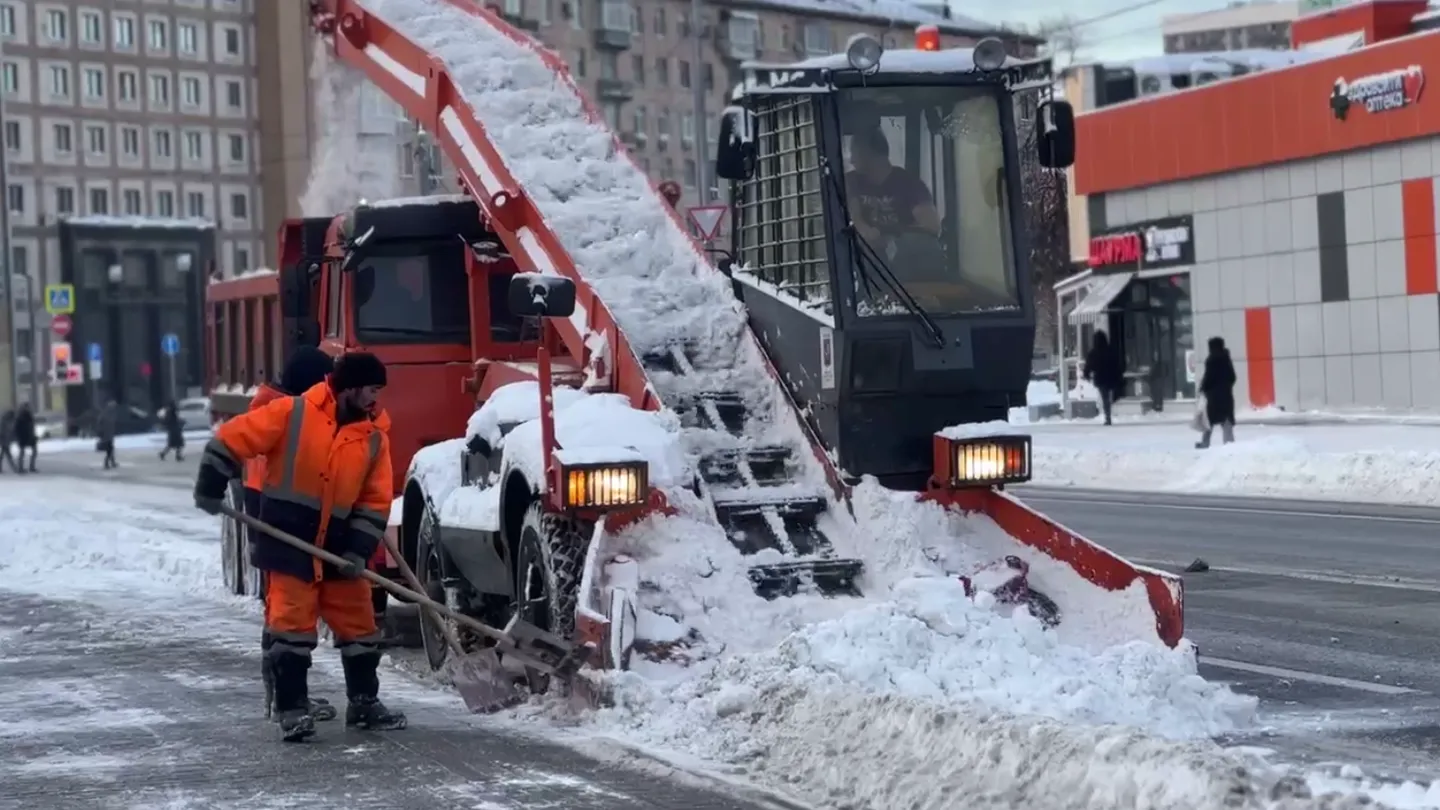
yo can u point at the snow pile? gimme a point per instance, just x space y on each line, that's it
348 164
1345 462
1042 392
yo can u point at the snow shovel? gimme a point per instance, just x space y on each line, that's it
478 677
529 645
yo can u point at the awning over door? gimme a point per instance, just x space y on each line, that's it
1103 291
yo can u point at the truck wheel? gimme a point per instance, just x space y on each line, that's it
547 573
430 572
232 545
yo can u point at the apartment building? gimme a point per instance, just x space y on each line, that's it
1239 26
636 58
125 109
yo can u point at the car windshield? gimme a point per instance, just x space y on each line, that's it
412 293
927 189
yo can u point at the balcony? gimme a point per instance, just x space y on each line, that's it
614 90
740 37
616 25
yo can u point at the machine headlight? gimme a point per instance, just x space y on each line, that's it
988 461
863 52
989 54
605 486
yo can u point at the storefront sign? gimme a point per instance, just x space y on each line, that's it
1379 92
1159 243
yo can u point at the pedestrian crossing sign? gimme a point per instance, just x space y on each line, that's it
60 299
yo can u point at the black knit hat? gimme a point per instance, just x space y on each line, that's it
357 370
306 367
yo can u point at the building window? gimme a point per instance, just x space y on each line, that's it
95 83
817 39
234 95
159 35
95 139
127 83
194 146
11 77
133 202
13 136
60 81
57 25
7 21
165 203
99 201
64 200
163 146
130 141
237 148
239 206
189 37
160 90
15 198
637 69
124 33
684 73
190 91
92 28
232 42
64 139
659 26
242 259
195 204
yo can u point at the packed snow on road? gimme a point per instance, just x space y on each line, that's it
837 702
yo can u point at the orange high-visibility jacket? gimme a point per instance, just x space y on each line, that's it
324 483
255 467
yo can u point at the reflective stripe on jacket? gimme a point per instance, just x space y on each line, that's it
329 484
255 467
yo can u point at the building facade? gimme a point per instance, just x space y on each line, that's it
636 59
125 109
1301 226
1240 26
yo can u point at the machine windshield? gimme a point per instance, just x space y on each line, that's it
409 293
927 189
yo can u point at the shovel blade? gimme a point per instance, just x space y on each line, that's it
542 650
483 683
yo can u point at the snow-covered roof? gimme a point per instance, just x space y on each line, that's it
1253 58
109 221
894 13
433 199
901 60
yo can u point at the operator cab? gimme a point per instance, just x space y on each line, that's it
879 238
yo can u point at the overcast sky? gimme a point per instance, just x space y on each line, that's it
1134 30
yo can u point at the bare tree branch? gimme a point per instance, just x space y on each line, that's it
1047 224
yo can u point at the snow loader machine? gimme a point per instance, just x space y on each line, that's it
472 299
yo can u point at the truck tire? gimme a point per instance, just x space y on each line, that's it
547 574
232 545
429 571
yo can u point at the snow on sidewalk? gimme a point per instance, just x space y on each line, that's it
1361 461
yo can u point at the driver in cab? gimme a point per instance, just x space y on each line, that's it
886 201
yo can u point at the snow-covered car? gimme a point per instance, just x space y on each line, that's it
194 413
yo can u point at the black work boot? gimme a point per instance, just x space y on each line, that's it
320 708
362 687
290 670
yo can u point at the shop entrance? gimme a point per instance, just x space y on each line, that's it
1151 321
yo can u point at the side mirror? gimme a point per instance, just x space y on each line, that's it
735 152
1055 134
352 249
533 295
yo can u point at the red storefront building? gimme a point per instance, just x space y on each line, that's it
1292 212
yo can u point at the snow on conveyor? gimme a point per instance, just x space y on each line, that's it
799 690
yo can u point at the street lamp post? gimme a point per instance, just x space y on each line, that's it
5 261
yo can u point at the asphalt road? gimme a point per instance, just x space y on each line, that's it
1329 612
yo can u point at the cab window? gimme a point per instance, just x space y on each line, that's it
412 293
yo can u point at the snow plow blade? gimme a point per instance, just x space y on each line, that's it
1095 563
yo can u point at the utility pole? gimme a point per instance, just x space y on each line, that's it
9 280
697 84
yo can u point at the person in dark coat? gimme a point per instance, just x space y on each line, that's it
1218 385
106 424
25 435
7 437
174 432
1102 367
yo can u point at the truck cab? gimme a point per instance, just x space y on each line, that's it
879 242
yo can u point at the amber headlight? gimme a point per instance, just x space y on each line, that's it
605 486
991 460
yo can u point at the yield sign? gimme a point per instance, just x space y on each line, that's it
707 219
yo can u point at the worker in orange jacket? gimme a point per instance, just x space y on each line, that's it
306 367
327 480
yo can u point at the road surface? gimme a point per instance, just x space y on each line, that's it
1330 613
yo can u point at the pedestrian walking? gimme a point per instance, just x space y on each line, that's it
7 438
1102 367
25 436
174 432
106 423
1218 386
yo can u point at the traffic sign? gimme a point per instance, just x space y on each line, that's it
96 366
94 352
707 219
170 344
60 299
61 325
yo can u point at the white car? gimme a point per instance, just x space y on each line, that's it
194 413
